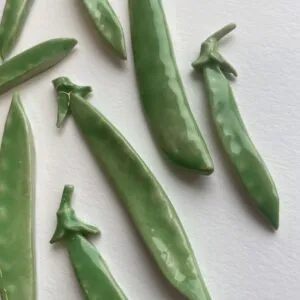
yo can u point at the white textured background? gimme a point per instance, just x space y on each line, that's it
239 256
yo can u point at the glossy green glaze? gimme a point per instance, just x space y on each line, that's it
147 203
33 62
91 270
13 19
161 89
107 24
232 131
17 265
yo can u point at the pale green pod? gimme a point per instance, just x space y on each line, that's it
144 198
33 61
17 263
107 24
232 131
92 273
13 19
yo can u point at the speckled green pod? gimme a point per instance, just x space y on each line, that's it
107 24
232 131
17 264
33 62
147 203
91 270
14 16
161 89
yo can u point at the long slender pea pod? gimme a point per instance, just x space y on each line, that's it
13 19
17 262
33 62
107 24
161 89
91 270
147 203
231 129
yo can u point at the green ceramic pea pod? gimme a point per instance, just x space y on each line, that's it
142 195
33 61
17 263
231 129
13 19
91 270
161 89
107 24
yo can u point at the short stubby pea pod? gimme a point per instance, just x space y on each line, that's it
161 89
17 181
91 271
33 61
107 24
232 130
13 19
144 198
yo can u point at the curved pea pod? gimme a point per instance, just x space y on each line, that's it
17 263
161 89
107 24
147 203
91 270
13 19
33 62
232 131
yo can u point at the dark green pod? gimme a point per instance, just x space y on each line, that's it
147 203
17 263
232 131
107 24
161 89
91 270
14 16
33 62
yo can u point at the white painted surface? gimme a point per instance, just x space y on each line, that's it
239 257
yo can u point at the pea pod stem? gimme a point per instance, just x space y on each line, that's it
161 89
91 270
107 24
231 129
148 205
13 19
33 61
17 255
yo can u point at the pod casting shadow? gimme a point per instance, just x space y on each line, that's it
91 270
161 89
17 180
107 24
13 19
147 203
231 129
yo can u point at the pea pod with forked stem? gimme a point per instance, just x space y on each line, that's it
107 24
91 270
161 89
231 129
147 203
13 19
17 264
33 61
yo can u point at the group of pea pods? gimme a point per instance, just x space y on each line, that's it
173 126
